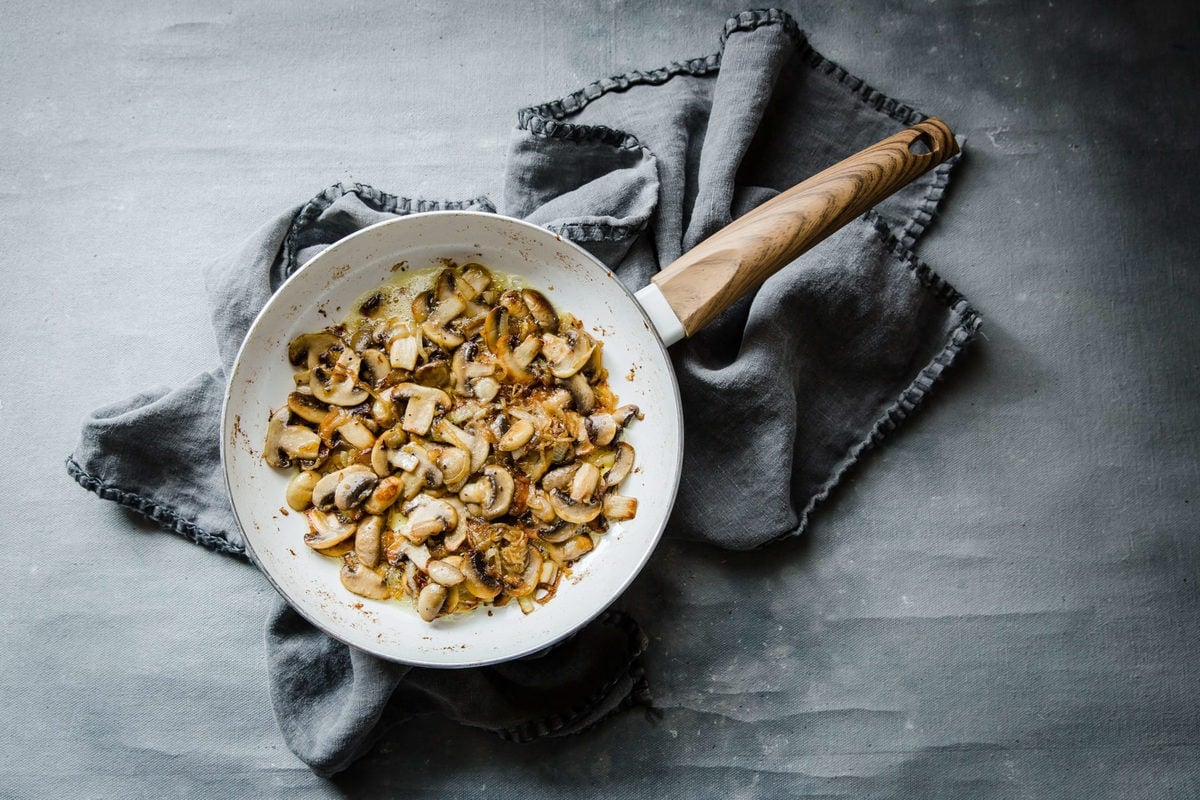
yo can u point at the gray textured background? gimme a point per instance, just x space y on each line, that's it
1002 603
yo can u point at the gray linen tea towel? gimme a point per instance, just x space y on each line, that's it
788 388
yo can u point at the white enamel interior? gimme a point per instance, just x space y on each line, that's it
639 372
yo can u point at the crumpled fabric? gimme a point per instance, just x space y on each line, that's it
782 393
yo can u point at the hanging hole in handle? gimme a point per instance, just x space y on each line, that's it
921 145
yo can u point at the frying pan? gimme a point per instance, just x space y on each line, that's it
636 331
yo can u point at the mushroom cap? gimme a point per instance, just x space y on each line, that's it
326 530
569 352
308 347
337 383
622 465
363 581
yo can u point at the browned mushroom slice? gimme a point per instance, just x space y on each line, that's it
478 580
387 492
355 485
385 450
527 581
514 357
455 464
423 403
362 581
368 540
433 373
568 353
622 465
307 348
430 601
436 326
336 383
575 547
307 407
618 507
560 485
416 554
326 530
492 494
474 279
300 489
428 516
475 444
420 472
404 345
582 395
584 483
516 436
287 442
541 310
375 367
444 573
557 531
466 367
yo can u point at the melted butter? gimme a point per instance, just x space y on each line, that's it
397 293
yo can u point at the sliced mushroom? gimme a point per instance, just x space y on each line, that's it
486 388
404 346
539 505
514 357
286 442
326 530
307 348
368 540
476 278
428 516
584 483
417 554
387 445
423 403
558 485
323 491
516 437
455 464
307 407
337 383
430 601
444 573
475 444
387 492
529 578
602 428
436 326
354 487
582 395
557 532
465 368
356 434
420 472
453 540
375 367
300 489
492 493
575 547
362 581
541 310
478 580
622 465
433 373
567 354
618 507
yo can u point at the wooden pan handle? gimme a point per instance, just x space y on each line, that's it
704 281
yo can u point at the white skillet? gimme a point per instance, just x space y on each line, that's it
636 331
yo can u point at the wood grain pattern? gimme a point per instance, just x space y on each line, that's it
704 281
